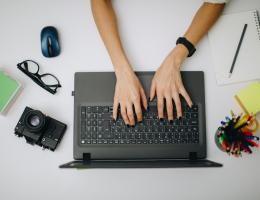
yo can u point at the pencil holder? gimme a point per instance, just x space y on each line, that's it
236 134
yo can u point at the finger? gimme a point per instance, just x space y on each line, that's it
169 108
143 99
124 115
160 105
152 91
115 107
186 96
130 114
138 111
177 102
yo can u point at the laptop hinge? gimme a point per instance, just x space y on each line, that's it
86 158
193 156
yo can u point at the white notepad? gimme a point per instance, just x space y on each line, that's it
224 38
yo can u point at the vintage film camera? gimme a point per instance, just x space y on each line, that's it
40 129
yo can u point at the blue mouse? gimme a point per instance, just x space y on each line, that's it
50 42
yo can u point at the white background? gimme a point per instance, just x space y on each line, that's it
149 30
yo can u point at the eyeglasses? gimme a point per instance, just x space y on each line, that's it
47 81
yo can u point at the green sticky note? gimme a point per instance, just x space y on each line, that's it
8 89
249 98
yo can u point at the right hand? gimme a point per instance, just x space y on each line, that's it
129 93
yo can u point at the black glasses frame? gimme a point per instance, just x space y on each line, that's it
37 78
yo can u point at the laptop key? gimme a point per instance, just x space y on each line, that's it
194 128
94 135
111 141
193 122
83 126
133 141
83 114
106 109
106 116
195 108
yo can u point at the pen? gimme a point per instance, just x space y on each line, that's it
237 51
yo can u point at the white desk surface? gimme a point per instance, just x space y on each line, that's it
149 30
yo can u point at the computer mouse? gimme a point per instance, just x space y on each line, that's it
50 42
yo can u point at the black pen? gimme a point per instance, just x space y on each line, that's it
237 51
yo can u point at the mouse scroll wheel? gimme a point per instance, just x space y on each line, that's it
49 46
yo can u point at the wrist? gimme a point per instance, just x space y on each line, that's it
178 55
123 69
182 51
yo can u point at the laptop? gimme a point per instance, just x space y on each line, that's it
99 142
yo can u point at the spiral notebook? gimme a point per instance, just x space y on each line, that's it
224 38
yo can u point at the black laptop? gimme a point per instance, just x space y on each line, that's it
99 142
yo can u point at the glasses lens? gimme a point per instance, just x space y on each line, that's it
49 80
32 67
34 120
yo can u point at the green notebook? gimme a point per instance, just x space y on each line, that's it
8 89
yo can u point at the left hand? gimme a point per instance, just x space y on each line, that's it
167 83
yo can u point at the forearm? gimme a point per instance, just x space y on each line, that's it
205 17
105 20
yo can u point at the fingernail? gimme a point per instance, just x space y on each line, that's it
180 117
128 125
140 121
171 121
161 119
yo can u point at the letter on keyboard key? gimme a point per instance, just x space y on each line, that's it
195 108
194 115
83 112
106 109
193 122
89 109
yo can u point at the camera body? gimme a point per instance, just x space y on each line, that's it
40 129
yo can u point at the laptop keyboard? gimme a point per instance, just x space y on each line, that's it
97 127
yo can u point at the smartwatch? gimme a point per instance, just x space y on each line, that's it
187 44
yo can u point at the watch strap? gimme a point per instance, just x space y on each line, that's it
187 44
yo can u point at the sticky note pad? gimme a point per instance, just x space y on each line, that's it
249 98
8 89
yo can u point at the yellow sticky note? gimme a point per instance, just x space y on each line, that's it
249 98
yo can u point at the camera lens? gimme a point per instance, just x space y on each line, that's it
34 120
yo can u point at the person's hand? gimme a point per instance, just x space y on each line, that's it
167 83
130 95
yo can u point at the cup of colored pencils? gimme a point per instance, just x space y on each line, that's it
237 134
